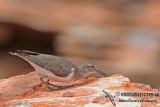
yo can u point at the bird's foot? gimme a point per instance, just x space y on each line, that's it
47 85
57 86
41 78
51 89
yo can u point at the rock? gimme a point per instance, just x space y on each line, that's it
26 90
142 85
22 103
68 94
18 85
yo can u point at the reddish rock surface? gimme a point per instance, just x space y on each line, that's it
27 90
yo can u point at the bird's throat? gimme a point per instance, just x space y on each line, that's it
79 73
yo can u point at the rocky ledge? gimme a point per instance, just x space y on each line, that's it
117 90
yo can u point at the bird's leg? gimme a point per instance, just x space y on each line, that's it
59 87
47 85
41 78
50 88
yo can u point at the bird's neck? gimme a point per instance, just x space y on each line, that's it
80 73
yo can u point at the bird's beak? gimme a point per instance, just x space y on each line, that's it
102 73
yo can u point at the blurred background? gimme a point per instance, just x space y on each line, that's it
118 36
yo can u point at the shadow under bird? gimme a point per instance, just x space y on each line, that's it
56 68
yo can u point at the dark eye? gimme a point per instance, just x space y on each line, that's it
92 66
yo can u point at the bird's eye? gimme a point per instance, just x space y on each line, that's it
92 66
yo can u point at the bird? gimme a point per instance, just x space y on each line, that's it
55 68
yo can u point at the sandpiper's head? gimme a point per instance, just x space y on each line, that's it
89 68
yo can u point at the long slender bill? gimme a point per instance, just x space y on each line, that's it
102 73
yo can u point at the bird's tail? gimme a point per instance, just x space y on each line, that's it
15 53
23 53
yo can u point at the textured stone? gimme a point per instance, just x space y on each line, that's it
18 85
87 92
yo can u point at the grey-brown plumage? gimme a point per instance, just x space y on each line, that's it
59 66
56 68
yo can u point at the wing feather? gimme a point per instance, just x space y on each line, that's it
57 65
